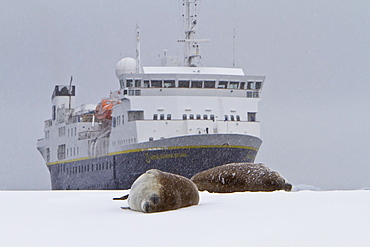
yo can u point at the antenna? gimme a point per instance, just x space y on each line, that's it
138 55
190 22
234 44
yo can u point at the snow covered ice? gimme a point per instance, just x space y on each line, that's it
92 218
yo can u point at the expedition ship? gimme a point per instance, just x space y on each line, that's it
181 120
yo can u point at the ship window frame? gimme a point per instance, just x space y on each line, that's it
184 83
233 85
226 118
250 85
129 82
205 117
191 116
169 116
61 152
198 116
47 154
169 83
161 117
249 94
156 83
255 94
114 122
212 117
146 84
54 112
184 116
242 85
258 85
155 116
209 84
138 83
238 118
222 84
232 118
196 84
252 116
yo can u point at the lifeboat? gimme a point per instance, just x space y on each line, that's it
103 110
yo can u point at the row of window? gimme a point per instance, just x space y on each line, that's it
118 120
137 92
62 132
73 151
191 84
85 168
251 117
124 142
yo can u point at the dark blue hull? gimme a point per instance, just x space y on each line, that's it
118 171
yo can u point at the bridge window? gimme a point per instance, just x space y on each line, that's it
258 85
250 85
169 83
184 116
198 116
146 84
249 94
234 85
226 118
129 83
251 116
156 83
114 123
162 116
155 116
237 118
184 84
242 85
196 84
205 116
222 84
137 83
255 94
191 116
232 118
122 83
209 84
169 116
212 117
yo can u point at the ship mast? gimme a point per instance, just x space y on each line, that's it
190 22
138 55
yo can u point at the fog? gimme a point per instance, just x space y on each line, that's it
315 56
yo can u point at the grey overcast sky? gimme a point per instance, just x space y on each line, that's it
315 55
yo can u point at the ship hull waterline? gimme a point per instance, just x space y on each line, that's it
185 156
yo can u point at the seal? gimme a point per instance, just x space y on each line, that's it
240 177
157 191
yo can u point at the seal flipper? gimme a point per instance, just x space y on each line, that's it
122 198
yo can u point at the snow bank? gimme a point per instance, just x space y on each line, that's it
92 218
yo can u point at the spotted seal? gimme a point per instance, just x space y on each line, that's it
239 177
156 191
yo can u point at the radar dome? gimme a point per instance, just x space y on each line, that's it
126 65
